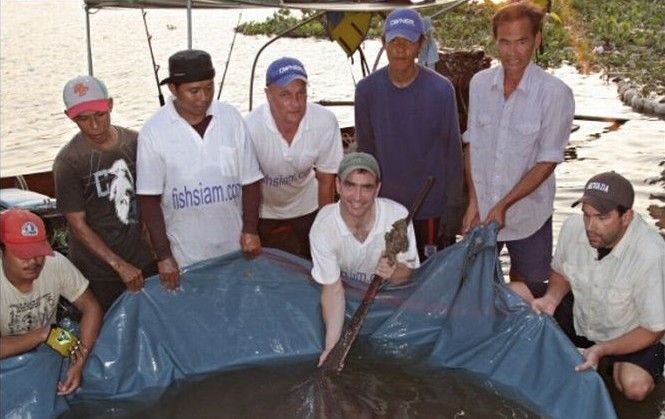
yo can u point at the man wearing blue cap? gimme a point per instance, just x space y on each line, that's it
299 147
406 116
197 173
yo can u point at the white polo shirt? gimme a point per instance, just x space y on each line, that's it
21 313
290 188
199 179
336 253
620 292
508 137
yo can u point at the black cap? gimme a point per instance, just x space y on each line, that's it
188 66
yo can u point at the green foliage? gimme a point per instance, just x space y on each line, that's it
59 239
620 37
465 27
282 20
629 38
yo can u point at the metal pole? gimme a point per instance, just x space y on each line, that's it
256 58
87 38
189 24
228 58
155 66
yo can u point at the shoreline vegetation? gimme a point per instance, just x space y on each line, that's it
624 40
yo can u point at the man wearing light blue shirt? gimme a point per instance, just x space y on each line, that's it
519 126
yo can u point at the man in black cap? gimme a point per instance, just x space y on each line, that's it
614 264
198 179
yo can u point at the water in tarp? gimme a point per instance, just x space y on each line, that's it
384 390
232 314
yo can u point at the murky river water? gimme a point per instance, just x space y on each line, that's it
42 45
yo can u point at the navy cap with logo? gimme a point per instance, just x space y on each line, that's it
403 23
188 66
284 70
606 191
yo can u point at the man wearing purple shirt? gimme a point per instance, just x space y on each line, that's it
406 116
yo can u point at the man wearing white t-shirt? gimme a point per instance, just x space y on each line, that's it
347 241
299 147
32 279
198 179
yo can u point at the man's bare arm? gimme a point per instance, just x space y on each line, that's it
15 345
326 188
129 274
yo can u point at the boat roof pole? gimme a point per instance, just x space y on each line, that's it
189 24
256 58
87 38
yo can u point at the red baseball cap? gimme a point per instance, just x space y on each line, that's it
24 234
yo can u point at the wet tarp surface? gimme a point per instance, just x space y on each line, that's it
232 314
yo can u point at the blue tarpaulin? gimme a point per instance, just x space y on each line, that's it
233 313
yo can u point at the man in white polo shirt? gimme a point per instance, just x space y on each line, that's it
347 241
614 264
198 179
299 147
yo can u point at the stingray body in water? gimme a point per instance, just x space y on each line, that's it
368 388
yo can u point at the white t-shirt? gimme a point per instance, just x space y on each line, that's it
620 292
199 179
290 188
337 253
21 313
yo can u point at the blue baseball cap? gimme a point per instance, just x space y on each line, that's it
405 23
284 70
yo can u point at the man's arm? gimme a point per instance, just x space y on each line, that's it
453 170
129 274
15 345
249 238
363 124
91 322
633 341
332 309
471 216
529 183
326 188
557 288
153 218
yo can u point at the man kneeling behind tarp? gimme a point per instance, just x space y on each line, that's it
614 264
32 279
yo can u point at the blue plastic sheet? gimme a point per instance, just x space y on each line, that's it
232 314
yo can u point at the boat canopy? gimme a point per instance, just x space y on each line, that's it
326 5
162 4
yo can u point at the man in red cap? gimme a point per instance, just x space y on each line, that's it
32 279
607 286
